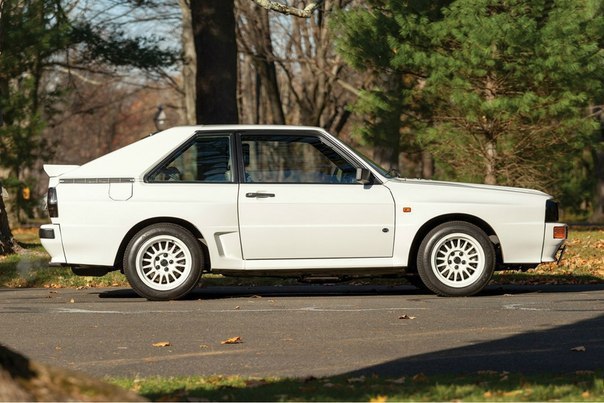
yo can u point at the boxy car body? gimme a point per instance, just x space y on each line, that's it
283 200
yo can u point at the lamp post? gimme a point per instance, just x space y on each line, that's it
160 118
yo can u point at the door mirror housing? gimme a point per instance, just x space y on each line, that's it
363 176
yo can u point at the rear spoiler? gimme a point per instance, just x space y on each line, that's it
58 170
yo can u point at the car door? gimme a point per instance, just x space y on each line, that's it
299 200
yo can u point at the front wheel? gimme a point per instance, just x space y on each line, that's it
456 259
163 262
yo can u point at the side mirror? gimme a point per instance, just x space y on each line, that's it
363 176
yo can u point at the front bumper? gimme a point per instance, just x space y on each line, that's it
51 239
553 242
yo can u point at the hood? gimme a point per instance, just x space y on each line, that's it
429 190
462 185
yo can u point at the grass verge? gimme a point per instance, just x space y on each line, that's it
482 386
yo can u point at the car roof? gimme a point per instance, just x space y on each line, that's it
134 160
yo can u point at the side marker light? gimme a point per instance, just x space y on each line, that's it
560 232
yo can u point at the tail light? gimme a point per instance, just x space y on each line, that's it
551 211
52 203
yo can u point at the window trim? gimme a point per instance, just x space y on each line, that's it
343 151
185 145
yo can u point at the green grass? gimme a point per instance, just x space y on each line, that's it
484 386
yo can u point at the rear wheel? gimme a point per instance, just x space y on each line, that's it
163 262
456 259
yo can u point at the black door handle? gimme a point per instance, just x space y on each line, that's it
260 195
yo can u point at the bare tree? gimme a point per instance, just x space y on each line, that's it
189 63
310 84
255 42
305 12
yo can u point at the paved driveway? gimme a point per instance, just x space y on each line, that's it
308 330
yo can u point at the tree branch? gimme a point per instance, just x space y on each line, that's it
305 12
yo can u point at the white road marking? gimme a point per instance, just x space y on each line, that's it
521 307
242 310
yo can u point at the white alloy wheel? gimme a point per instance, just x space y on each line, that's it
458 260
163 262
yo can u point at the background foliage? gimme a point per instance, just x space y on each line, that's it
497 91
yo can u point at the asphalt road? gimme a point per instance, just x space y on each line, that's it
309 330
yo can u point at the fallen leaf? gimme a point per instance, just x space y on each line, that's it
487 372
398 381
405 316
513 393
379 399
585 394
580 349
488 394
254 383
584 372
237 307
421 377
360 379
232 340
162 344
72 301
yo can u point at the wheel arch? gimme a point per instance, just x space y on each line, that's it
118 263
436 221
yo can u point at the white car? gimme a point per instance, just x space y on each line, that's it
282 200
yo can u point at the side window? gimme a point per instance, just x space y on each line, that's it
207 160
293 159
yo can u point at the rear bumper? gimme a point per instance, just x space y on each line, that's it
553 242
51 239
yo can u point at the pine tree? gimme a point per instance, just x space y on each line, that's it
384 38
501 88
512 81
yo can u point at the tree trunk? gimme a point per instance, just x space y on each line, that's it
265 65
24 380
490 177
598 204
6 236
189 64
7 244
427 163
213 24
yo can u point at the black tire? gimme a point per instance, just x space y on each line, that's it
416 281
163 262
456 259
